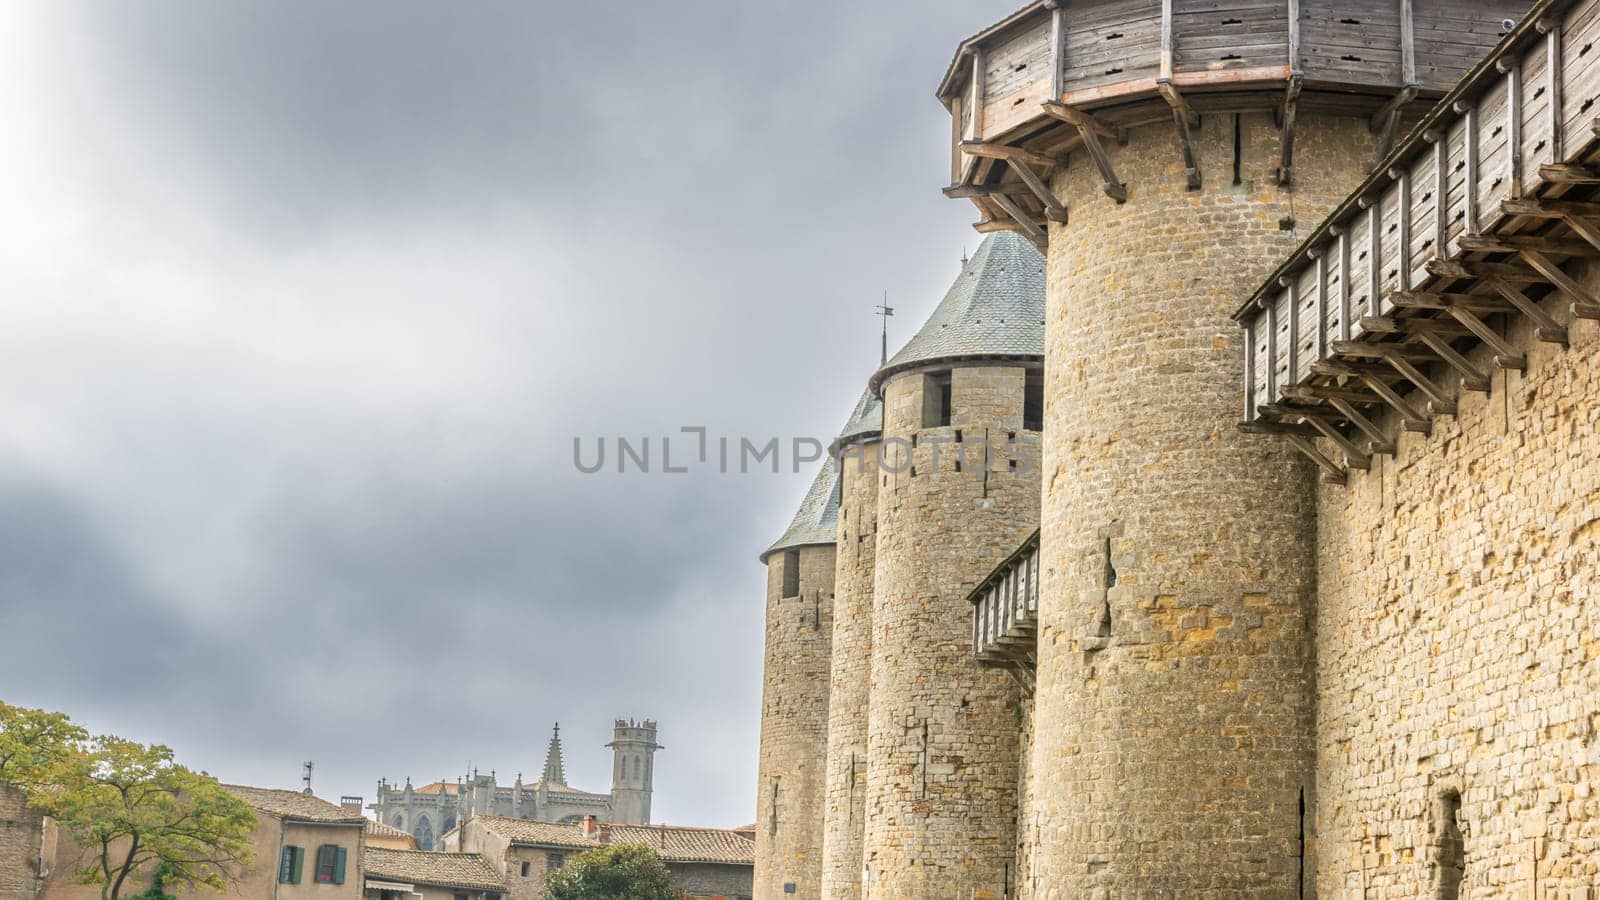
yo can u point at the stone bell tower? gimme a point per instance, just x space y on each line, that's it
958 490
633 746
1166 155
794 695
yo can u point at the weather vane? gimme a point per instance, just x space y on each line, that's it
884 310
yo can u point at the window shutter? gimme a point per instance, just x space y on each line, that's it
297 863
338 866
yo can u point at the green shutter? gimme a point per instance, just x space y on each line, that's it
338 866
289 865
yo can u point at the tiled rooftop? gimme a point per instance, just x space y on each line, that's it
675 843
294 805
449 870
994 308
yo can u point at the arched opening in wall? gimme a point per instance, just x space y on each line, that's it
1451 863
449 823
399 821
791 573
423 833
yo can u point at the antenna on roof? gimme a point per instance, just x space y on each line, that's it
963 256
305 776
884 310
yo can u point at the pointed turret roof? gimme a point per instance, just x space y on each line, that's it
816 522
994 310
865 423
555 772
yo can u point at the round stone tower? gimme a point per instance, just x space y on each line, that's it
1168 155
794 696
958 492
856 449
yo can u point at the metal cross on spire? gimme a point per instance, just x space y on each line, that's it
885 311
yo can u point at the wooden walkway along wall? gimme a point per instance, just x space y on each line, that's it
1005 609
1064 76
1476 215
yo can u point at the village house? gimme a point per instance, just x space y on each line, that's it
405 874
704 862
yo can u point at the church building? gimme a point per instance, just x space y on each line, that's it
429 811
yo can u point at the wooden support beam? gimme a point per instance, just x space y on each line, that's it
1355 456
1441 195
1473 270
1439 401
1081 120
1183 118
1505 355
1545 328
979 93
1344 285
1410 419
1511 67
1568 173
1550 209
1443 300
1471 378
1332 472
1583 228
1328 392
1515 243
1402 178
1091 130
1008 153
1054 209
1029 230
1585 304
1377 441
1291 99
1058 52
1386 121
1555 77
1469 181
1396 325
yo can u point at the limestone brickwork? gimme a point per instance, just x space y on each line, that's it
1459 643
942 733
845 792
794 721
22 836
1173 722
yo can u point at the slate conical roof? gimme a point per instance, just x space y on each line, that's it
555 770
865 424
817 520
995 309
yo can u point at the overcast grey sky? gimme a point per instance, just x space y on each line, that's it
304 304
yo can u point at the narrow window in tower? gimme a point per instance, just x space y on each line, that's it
636 774
791 573
936 400
1238 150
1452 861
1033 403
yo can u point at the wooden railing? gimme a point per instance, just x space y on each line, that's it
1478 214
1005 609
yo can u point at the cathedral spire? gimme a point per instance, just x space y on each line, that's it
554 771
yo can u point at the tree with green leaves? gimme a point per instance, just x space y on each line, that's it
135 811
619 872
34 744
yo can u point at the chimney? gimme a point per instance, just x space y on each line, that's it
605 834
350 804
590 828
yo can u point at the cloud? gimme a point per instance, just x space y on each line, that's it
305 304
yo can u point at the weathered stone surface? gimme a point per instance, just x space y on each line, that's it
942 733
1173 720
1459 643
21 846
794 725
845 793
